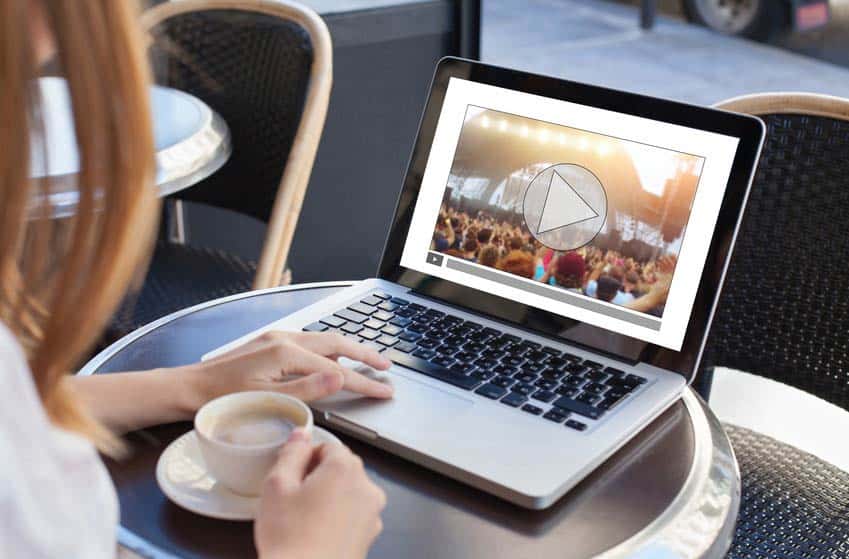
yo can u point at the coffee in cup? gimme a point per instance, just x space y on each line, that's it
240 435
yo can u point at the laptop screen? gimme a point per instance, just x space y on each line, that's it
590 214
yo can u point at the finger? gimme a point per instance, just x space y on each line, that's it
355 382
301 361
313 387
293 462
336 345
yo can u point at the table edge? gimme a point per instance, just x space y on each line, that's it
708 501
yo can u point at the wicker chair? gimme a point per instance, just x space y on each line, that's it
784 315
265 67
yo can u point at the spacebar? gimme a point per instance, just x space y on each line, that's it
431 370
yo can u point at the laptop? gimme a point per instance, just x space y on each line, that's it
548 281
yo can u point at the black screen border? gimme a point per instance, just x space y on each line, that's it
750 130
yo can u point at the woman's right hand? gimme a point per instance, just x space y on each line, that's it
317 503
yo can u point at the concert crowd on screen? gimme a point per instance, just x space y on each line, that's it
601 274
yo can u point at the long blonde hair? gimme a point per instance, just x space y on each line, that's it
61 280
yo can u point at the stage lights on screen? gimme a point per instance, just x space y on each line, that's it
545 135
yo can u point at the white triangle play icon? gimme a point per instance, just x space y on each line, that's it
563 206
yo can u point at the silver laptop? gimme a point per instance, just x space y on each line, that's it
548 281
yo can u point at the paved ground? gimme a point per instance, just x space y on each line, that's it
600 42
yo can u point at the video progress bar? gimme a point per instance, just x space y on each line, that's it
581 301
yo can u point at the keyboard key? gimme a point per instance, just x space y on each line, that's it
570 357
431 370
427 343
473 326
606 404
514 400
544 396
532 409
474 347
482 374
513 361
484 363
352 328
531 345
526 377
369 334
546 384
616 394
574 381
552 374
406 312
577 425
408 336
333 321
555 415
406 347
372 300
493 354
442 361
416 307
418 328
635 379
462 368
588 398
537 356
491 391
424 353
374 324
557 363
447 350
593 364
315 327
614 372
533 368
597 375
400 302
387 340
382 295
503 381
576 368
383 315
392 330
596 388
363 308
581 408
351 316
388 306
552 351
523 388
569 391
505 370
400 321
465 356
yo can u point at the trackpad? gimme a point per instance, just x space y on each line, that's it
416 408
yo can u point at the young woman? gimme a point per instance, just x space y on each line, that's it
59 284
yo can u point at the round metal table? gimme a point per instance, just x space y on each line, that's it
192 142
672 492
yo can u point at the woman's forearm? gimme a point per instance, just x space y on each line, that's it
128 401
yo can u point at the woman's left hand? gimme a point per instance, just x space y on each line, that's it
301 364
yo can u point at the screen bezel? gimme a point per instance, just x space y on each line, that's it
750 130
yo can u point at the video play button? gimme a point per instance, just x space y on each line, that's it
565 206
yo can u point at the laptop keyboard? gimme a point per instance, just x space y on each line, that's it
539 380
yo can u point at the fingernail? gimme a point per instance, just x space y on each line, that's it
386 362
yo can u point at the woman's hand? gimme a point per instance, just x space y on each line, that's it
301 364
317 503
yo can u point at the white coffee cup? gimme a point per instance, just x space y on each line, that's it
241 468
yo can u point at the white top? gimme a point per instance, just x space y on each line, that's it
56 498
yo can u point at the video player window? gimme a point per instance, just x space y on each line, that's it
598 217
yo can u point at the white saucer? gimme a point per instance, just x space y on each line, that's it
182 476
